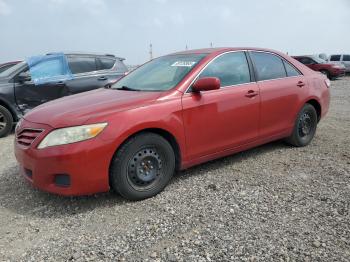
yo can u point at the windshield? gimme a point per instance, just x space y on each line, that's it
11 70
160 74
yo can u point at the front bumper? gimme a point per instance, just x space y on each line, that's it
85 163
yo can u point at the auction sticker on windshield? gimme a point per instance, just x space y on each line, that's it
184 63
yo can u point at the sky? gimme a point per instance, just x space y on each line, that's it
127 27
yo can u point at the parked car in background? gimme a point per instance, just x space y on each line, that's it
323 56
171 113
7 65
343 59
315 63
37 81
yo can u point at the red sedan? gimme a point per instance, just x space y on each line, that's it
173 112
317 64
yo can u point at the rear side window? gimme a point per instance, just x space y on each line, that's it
291 71
346 57
105 63
335 58
81 64
268 66
231 69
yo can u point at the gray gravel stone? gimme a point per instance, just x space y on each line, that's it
271 203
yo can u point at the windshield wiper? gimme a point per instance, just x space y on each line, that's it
126 88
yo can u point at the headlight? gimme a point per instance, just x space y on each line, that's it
70 135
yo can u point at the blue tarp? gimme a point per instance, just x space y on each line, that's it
49 68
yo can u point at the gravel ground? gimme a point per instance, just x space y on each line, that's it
272 203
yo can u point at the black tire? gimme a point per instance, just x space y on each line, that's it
326 73
142 167
6 121
304 127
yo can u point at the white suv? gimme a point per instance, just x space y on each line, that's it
341 59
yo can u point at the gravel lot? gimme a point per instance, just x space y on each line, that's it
274 202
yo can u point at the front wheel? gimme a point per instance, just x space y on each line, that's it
142 167
305 127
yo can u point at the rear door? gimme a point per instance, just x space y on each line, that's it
85 74
281 88
91 72
221 119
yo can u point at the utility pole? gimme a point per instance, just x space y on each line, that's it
150 52
211 44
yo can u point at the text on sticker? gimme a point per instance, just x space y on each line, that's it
184 63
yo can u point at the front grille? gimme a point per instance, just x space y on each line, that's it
27 136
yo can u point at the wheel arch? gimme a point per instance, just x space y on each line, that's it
167 135
317 107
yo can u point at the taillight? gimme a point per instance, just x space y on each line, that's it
327 82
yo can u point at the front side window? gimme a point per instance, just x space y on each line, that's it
346 58
160 74
81 64
268 66
335 58
231 69
47 69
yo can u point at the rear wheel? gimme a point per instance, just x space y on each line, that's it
6 121
142 167
305 127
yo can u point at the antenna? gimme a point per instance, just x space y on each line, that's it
150 51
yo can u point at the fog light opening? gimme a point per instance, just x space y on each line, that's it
62 180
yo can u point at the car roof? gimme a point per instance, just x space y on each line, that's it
88 54
222 50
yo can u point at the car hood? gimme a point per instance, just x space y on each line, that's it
78 109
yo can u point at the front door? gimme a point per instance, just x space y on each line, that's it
225 118
48 82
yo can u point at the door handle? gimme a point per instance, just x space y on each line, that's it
300 84
251 93
102 78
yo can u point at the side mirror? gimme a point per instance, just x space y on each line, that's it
206 84
24 77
